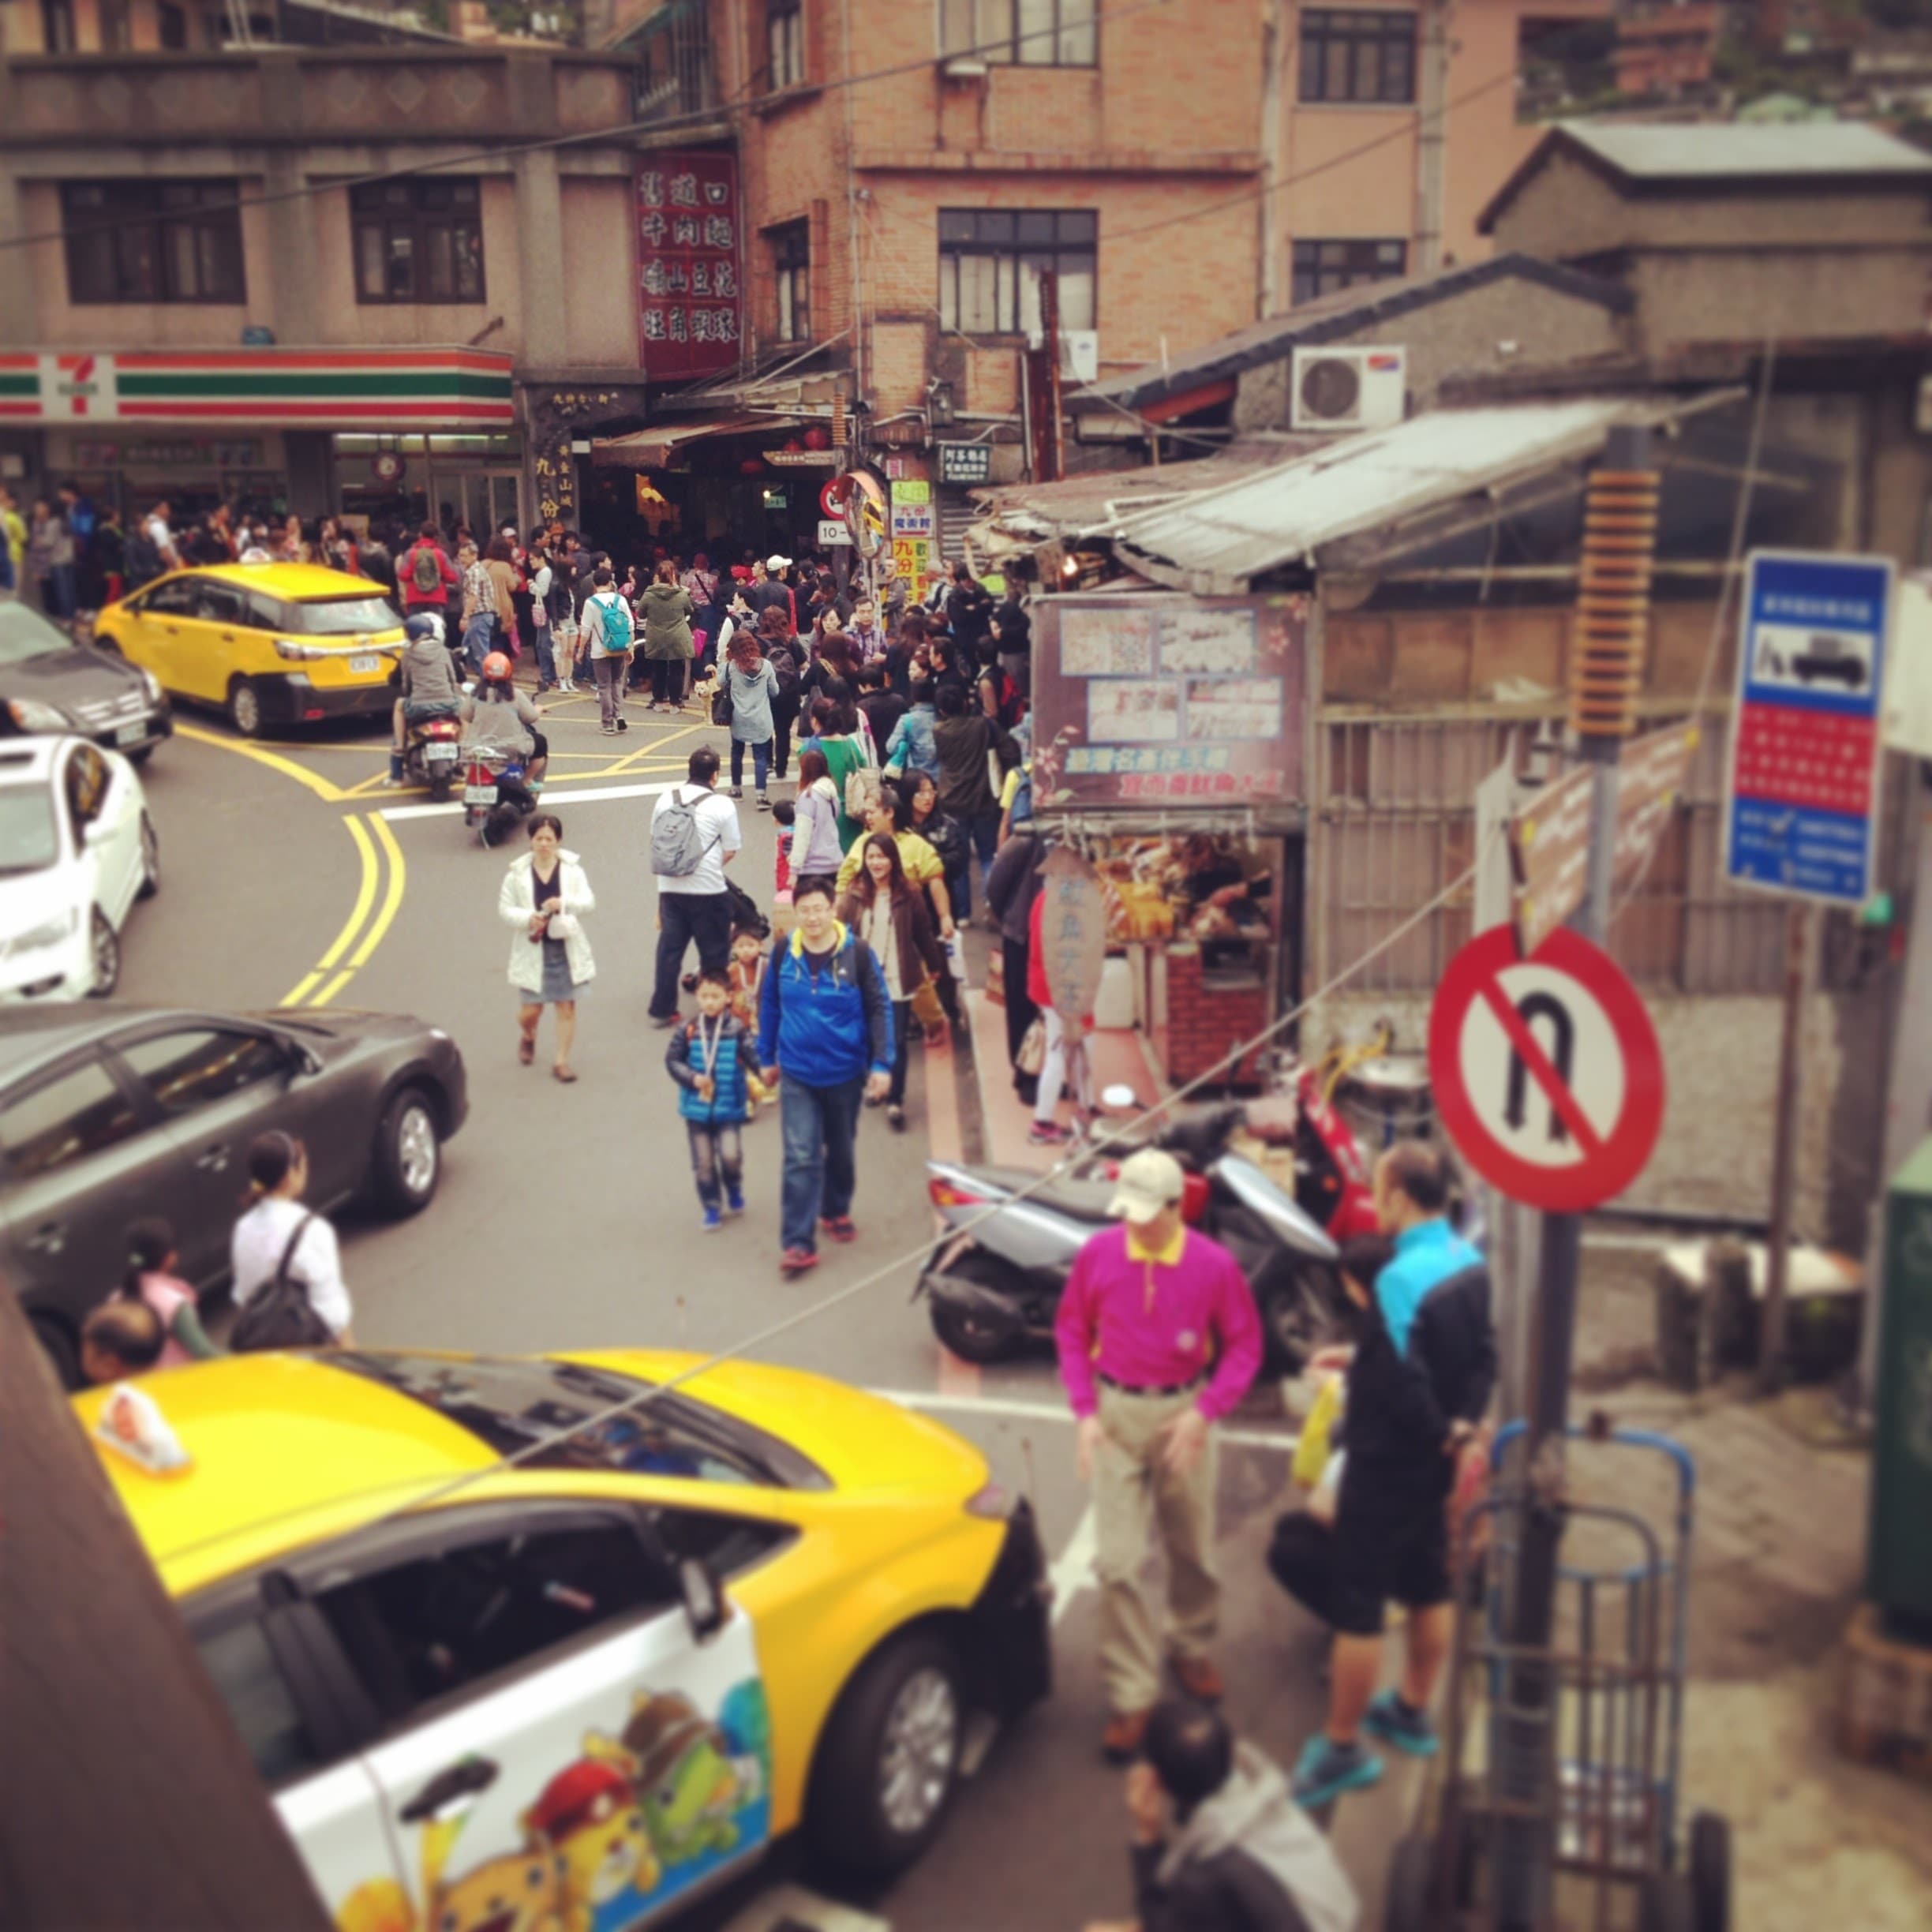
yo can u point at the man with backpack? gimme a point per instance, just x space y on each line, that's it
694 836
606 630
425 576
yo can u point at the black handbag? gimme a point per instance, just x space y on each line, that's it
720 698
281 1316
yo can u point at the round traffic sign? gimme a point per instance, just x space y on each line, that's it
1546 1072
831 496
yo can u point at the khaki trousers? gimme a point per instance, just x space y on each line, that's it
1135 1495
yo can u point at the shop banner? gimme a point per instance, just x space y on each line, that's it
691 283
1168 700
1073 934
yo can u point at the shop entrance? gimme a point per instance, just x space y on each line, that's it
483 500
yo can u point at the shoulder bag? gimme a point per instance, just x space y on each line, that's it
281 1316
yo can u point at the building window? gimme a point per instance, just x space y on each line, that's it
57 26
174 25
791 267
1321 267
1351 55
418 241
152 241
990 261
784 33
1031 33
117 34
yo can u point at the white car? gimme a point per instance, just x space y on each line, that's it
76 849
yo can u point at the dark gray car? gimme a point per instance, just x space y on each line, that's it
48 683
109 1114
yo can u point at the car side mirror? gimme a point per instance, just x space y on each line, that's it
704 1606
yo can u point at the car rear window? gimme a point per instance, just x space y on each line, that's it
509 1405
347 616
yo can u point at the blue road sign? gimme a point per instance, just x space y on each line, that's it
1801 791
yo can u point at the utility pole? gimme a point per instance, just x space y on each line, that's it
1613 605
1269 219
130 1800
1784 1148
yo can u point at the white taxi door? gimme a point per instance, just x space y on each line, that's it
559 1738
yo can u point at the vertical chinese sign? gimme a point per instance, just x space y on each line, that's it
690 298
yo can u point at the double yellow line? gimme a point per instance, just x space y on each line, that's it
379 854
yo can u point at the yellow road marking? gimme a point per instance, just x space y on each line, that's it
287 767
366 897
392 901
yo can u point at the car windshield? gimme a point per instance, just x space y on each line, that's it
25 633
29 839
347 616
510 1405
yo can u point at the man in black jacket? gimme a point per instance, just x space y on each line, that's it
1219 1845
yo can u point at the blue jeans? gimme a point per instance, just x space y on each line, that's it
984 827
760 762
718 1161
479 639
819 1126
546 659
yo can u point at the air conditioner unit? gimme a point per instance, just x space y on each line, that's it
1349 388
1079 355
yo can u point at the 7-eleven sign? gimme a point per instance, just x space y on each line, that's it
78 388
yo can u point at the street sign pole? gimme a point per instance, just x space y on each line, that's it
1614 595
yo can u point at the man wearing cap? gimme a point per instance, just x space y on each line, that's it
1158 1339
773 589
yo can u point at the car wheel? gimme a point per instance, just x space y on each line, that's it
409 1153
104 946
439 788
245 707
62 1351
106 640
888 1763
151 857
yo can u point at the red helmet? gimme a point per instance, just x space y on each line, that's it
496 668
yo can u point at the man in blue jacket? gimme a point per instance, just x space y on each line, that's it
825 1039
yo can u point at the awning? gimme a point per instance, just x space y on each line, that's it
653 448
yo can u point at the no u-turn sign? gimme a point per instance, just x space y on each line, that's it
1546 1071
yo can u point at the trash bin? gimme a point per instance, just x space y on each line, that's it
1898 1574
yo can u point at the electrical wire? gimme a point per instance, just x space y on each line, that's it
697 117
440 1493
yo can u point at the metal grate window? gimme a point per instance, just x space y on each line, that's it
153 241
1323 267
418 241
1358 54
990 260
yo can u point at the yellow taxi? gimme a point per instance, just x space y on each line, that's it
512 1655
270 643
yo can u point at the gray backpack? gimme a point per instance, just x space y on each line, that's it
677 845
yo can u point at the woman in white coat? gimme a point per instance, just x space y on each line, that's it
544 897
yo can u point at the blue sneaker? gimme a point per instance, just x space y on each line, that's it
1325 1770
1394 1723
734 1200
712 1220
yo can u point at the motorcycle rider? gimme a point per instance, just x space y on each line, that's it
428 687
498 717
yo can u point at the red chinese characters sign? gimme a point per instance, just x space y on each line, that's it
690 280
1167 700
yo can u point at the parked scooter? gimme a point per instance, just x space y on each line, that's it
995 1284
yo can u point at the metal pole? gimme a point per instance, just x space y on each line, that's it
1785 1148
1613 608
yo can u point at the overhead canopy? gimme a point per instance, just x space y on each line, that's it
653 448
1218 542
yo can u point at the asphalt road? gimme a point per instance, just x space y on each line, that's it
566 1216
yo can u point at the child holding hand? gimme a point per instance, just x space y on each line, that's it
746 977
708 1057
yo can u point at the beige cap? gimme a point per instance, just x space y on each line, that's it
1149 1182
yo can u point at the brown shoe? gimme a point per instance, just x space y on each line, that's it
1121 1738
1200 1678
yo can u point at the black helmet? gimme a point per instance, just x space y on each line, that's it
423 625
1190 1748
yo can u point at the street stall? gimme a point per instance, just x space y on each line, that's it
1169 738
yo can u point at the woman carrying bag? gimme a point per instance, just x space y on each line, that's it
890 915
544 896
289 1289
747 686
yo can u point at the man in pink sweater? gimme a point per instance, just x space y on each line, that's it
1159 1339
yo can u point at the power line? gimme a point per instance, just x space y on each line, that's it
442 1492
668 124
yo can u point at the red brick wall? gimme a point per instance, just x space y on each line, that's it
1204 1024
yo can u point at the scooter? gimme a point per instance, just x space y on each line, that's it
496 799
432 752
995 1284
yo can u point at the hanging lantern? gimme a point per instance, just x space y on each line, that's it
817 437
793 445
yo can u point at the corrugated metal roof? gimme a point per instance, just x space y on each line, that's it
1217 543
1725 151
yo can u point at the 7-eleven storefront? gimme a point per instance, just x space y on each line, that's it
386 435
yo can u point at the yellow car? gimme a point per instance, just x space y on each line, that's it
269 643
563 1692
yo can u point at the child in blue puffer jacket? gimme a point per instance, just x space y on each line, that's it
709 1057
